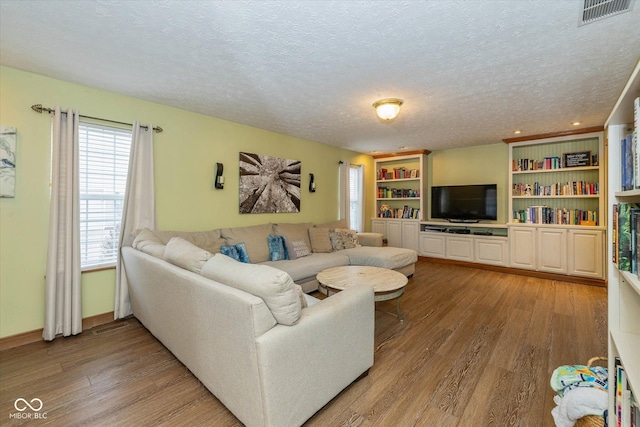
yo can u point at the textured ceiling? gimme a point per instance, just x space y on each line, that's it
469 72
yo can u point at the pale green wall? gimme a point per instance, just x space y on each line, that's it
485 164
185 156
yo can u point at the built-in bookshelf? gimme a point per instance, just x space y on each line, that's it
557 180
556 203
623 282
400 186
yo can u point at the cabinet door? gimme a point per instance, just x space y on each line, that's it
410 233
522 242
460 248
379 226
552 250
490 251
585 253
433 244
394 233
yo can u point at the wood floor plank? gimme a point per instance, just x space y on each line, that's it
477 348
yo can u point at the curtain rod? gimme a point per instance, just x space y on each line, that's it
38 108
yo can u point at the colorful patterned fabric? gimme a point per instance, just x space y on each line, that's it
568 377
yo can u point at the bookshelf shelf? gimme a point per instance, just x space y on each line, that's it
632 280
623 286
581 196
628 193
398 180
579 168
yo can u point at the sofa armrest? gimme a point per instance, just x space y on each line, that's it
370 239
305 365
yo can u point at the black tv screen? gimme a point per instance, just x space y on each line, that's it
465 202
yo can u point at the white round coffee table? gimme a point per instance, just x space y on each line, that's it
387 284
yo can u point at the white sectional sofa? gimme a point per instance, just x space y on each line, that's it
270 353
304 269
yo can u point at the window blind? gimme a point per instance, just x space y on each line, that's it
104 164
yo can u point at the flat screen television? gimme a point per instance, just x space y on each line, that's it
465 203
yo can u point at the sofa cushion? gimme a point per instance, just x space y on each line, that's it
147 242
296 248
275 287
341 223
207 240
294 232
255 238
237 252
343 239
277 248
385 257
185 254
311 265
320 241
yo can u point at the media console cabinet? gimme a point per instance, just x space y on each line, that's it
575 251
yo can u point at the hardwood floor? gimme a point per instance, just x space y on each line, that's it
477 348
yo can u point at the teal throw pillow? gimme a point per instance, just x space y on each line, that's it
237 252
277 248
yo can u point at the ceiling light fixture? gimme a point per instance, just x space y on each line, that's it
576 123
516 132
388 108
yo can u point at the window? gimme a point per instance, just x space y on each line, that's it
104 164
356 201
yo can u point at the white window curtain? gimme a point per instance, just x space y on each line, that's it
63 287
356 198
139 209
343 193
351 204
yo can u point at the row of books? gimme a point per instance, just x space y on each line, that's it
571 188
626 403
625 239
406 212
548 215
397 173
630 154
396 193
553 162
549 163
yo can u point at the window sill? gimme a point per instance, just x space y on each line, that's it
98 268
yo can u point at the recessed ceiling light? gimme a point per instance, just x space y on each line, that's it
576 123
516 132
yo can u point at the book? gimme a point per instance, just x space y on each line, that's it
637 244
635 234
614 234
626 156
625 249
635 141
627 413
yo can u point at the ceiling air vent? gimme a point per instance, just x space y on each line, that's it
595 10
